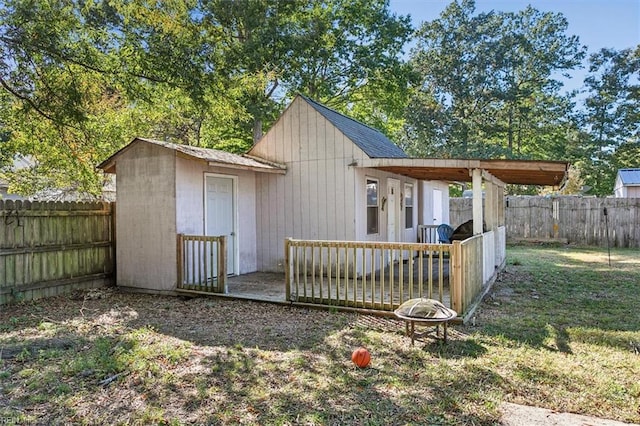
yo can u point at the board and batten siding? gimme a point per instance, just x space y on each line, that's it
146 218
406 234
323 194
315 198
190 196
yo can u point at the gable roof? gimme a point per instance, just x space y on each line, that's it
212 156
371 141
629 176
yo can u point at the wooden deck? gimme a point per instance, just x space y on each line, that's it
270 287
360 275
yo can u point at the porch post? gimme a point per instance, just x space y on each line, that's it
287 269
490 207
476 176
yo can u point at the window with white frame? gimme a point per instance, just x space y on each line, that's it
408 205
372 206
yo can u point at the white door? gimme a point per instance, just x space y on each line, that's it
220 213
437 207
393 209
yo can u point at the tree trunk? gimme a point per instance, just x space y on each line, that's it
510 130
257 130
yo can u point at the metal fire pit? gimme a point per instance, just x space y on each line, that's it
427 312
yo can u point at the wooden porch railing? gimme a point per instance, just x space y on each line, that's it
202 263
369 275
428 234
467 266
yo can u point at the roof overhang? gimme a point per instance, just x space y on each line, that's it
523 172
212 157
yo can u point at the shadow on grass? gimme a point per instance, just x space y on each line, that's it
455 349
550 297
333 391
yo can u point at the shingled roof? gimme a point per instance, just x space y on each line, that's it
214 157
371 141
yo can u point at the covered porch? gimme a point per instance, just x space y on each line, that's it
379 276
476 260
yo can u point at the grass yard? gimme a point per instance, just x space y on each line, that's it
560 330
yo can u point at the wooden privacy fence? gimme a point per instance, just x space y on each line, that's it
202 263
369 275
48 248
576 220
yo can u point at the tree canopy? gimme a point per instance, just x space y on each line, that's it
79 79
488 83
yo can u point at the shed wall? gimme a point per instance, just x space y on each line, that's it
315 199
633 192
619 189
426 202
190 207
360 191
146 218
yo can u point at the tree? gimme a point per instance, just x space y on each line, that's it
79 79
611 117
487 83
75 83
345 53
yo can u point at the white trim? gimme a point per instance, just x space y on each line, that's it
404 205
397 213
366 204
236 217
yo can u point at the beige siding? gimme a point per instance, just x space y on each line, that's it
190 207
633 192
322 196
425 201
190 196
406 234
146 218
315 199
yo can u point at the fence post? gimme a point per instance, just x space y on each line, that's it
457 287
287 269
179 260
222 265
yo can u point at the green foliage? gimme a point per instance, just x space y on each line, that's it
612 117
81 79
487 86
78 80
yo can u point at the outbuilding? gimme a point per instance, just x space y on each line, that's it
627 183
328 202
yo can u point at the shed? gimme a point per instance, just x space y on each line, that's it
165 189
326 195
315 175
627 183
301 180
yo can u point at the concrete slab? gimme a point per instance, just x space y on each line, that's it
522 415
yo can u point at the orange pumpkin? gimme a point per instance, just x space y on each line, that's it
361 357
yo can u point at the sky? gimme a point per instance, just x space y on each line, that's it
598 23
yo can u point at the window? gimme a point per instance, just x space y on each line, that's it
408 205
372 206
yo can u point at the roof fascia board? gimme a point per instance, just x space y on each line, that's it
243 167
